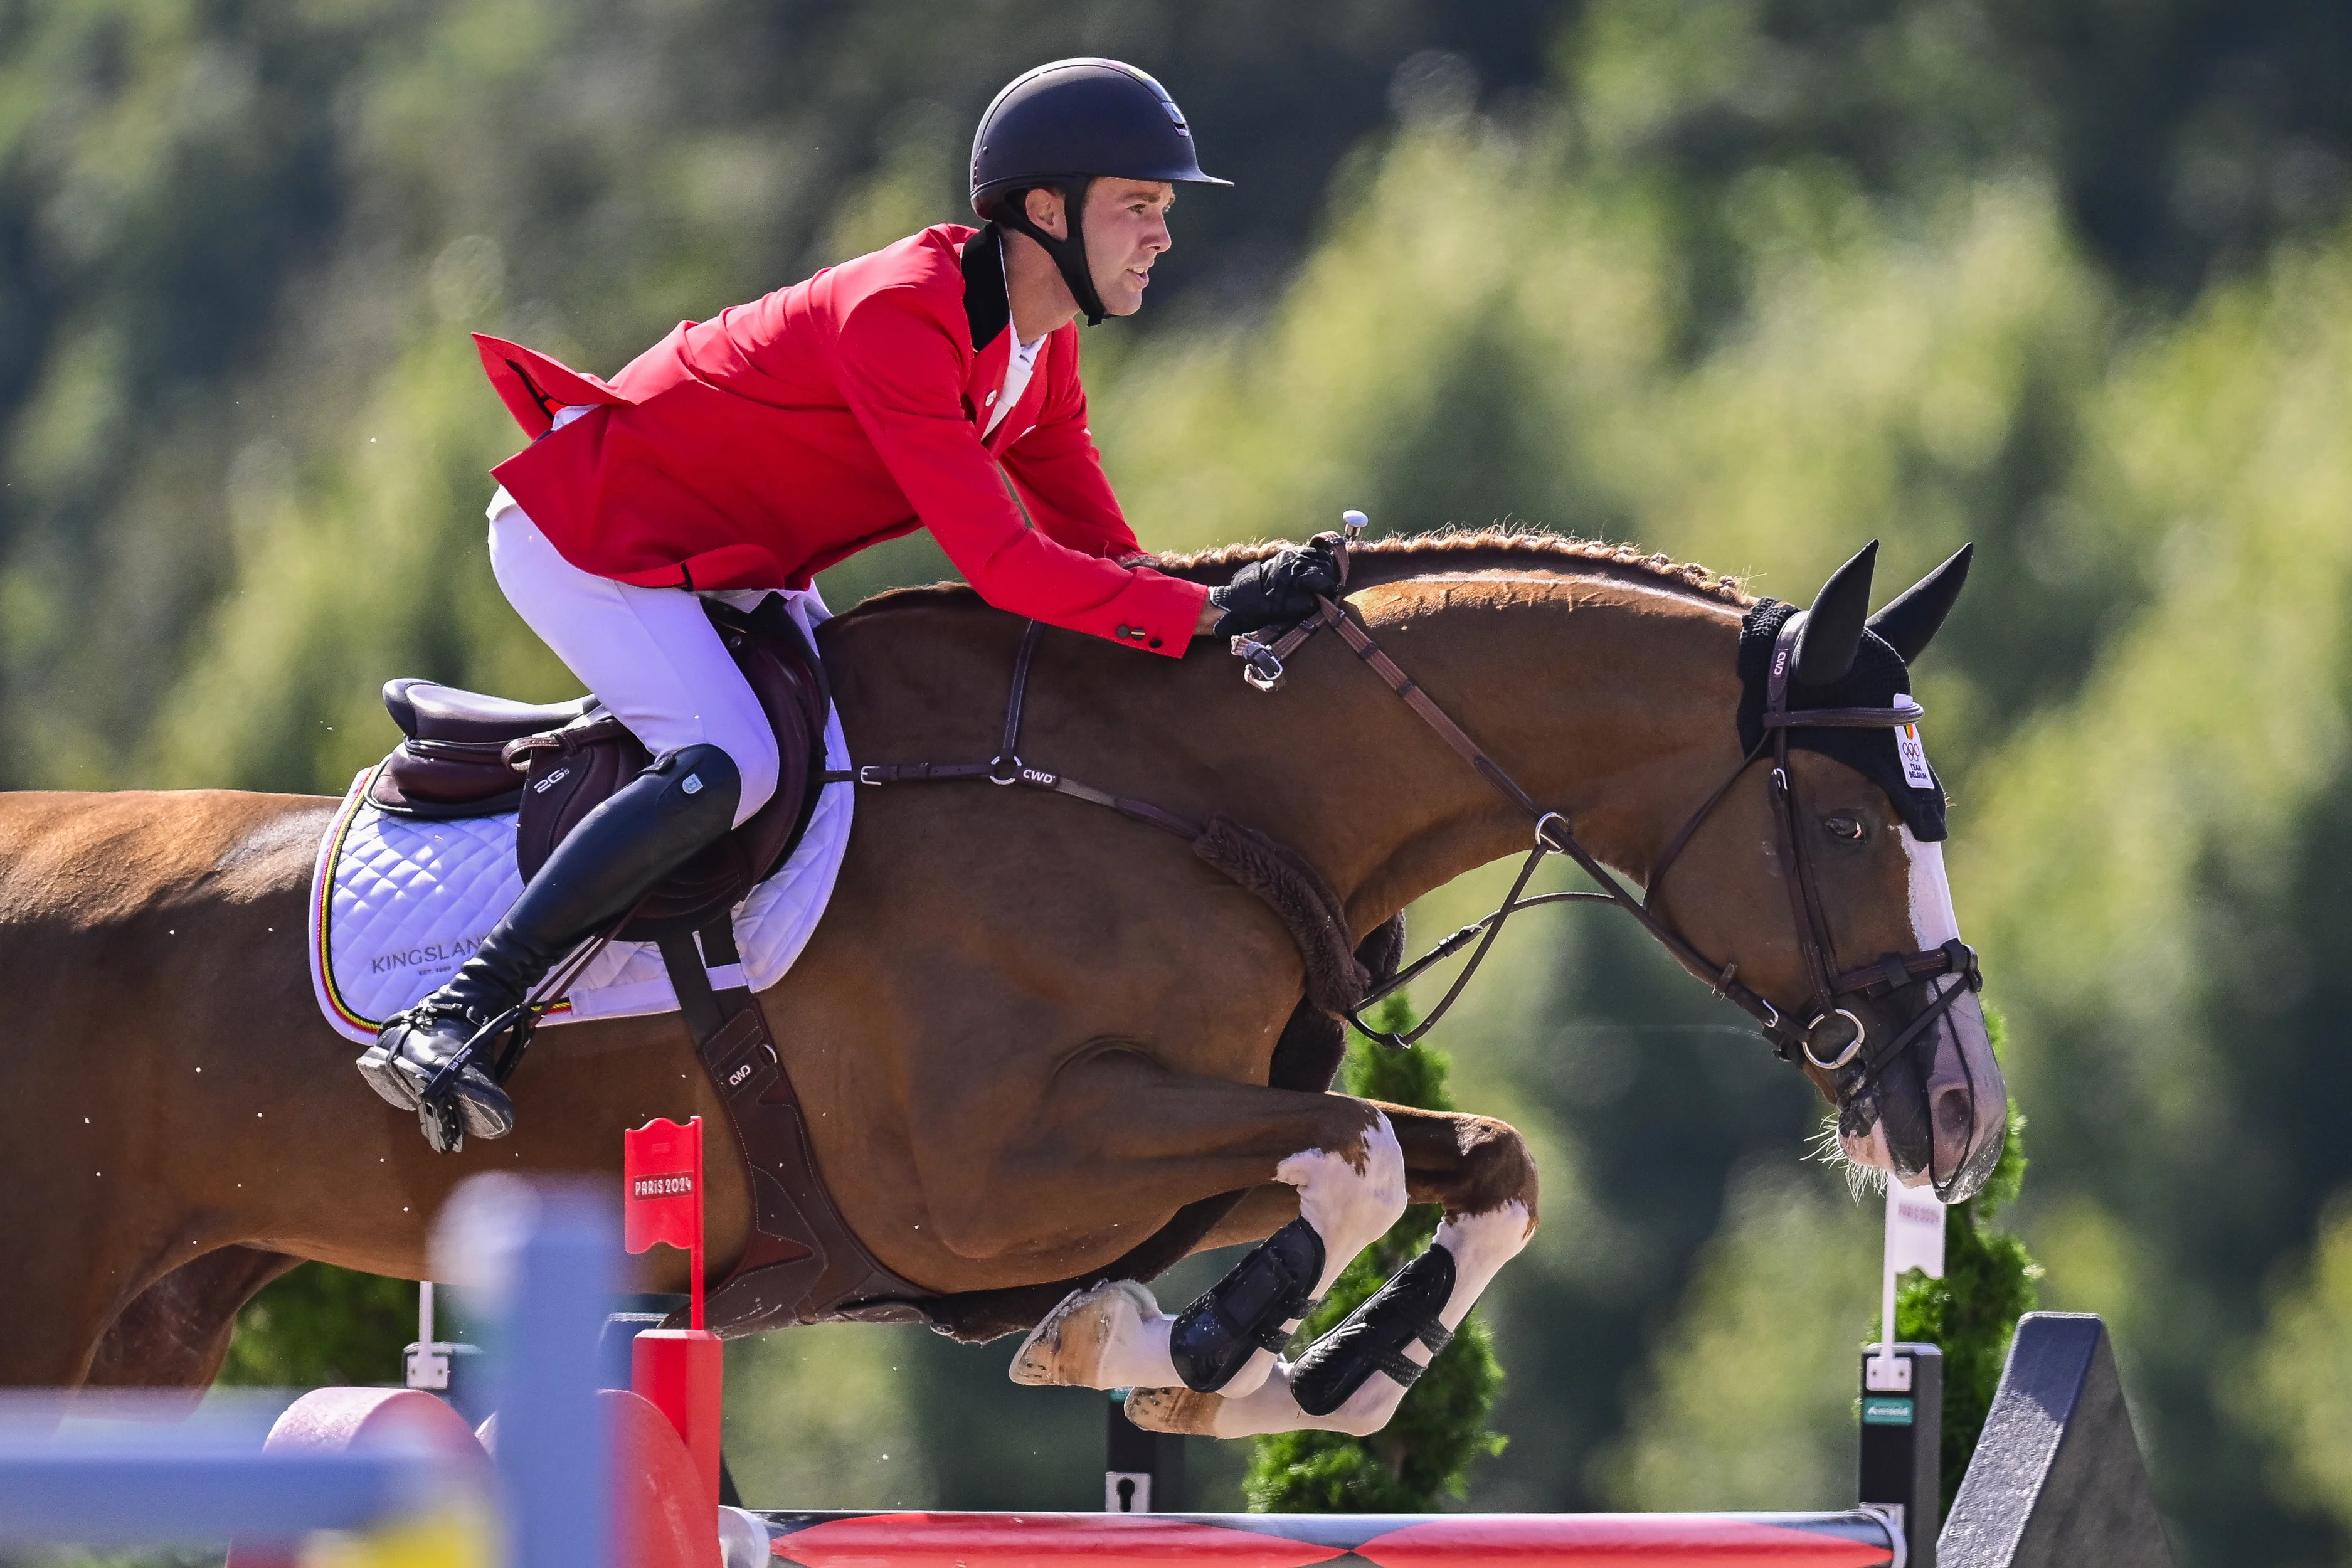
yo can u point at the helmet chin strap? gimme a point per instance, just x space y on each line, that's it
1069 253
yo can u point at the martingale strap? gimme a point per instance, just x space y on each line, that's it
1280 877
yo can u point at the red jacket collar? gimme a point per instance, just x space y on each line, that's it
988 312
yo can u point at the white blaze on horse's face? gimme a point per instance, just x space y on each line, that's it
1968 1102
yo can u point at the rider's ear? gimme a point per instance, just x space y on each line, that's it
1044 206
1832 633
1910 622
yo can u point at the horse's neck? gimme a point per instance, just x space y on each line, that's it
1612 703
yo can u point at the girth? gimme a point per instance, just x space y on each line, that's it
802 1264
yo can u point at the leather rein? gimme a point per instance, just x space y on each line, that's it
1855 1056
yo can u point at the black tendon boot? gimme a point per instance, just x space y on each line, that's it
1246 1310
1374 1336
435 1059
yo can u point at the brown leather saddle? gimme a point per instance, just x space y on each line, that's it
468 754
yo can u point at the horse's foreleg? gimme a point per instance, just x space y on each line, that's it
1352 1379
1348 1191
1261 1212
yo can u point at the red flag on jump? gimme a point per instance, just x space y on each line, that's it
662 1165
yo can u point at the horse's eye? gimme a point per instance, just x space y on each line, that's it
1844 827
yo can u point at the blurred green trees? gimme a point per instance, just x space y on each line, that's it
1748 282
319 1325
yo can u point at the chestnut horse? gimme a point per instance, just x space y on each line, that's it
1028 1032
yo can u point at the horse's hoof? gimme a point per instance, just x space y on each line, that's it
1067 1349
1182 1411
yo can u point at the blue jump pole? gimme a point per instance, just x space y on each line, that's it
199 1482
554 1457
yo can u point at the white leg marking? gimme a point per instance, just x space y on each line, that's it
1111 1336
1349 1210
1481 1244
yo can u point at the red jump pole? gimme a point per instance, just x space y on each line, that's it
682 1372
1852 1540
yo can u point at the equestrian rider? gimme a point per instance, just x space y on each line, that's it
933 383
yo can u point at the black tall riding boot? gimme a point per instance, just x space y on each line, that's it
641 834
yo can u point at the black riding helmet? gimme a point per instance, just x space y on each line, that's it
1063 125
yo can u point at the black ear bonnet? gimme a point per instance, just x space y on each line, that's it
1878 675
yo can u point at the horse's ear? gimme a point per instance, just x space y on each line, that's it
1910 622
1832 633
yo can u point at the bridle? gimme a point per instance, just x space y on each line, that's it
1855 1057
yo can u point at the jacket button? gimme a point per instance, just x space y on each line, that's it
1155 642
1123 632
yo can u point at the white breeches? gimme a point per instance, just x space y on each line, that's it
649 654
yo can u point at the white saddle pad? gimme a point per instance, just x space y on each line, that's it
396 904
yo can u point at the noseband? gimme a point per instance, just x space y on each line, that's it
1856 1059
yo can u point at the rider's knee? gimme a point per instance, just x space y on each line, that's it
757 764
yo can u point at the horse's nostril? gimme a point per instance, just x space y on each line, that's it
1955 1114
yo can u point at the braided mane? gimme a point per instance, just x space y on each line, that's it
1401 555
1471 549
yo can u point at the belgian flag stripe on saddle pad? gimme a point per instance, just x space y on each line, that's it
397 903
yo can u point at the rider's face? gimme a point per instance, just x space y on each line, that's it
1126 228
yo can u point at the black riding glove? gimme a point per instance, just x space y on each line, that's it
1277 591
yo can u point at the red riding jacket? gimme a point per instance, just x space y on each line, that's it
756 450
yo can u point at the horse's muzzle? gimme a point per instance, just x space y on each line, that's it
1938 1114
